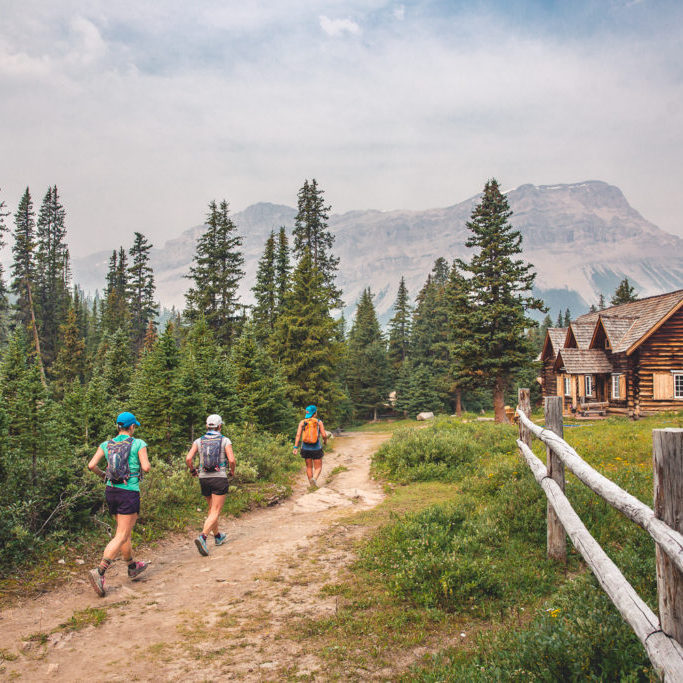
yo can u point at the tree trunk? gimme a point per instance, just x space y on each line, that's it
458 402
499 402
374 414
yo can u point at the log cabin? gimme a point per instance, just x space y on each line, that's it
624 359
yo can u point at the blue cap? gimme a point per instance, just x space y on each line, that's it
311 411
127 420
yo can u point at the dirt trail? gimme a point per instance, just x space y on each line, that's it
199 618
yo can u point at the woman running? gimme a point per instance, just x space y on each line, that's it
310 432
126 459
215 450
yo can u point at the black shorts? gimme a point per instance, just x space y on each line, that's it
122 501
315 454
214 486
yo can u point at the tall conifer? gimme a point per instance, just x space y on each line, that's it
399 327
216 273
501 287
311 232
141 290
265 291
115 313
4 302
282 268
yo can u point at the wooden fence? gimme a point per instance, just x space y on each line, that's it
663 641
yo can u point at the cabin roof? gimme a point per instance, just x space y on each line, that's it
616 328
554 341
583 361
582 331
646 316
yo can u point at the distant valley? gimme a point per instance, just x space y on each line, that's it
582 238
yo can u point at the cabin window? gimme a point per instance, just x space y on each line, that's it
607 344
589 385
616 386
678 385
567 386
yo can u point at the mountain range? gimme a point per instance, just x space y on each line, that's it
582 239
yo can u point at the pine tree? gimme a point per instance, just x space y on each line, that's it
368 375
282 268
261 386
69 366
24 273
414 391
500 288
311 233
52 273
399 328
601 302
117 370
4 302
559 322
154 395
624 293
567 318
216 274
265 291
459 310
305 341
115 313
141 290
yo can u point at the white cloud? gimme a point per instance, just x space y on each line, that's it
88 45
400 12
337 27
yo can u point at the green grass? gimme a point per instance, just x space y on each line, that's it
460 541
91 616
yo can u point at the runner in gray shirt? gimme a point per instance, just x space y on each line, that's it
215 454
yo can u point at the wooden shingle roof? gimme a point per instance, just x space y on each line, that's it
616 328
557 336
583 361
646 314
583 332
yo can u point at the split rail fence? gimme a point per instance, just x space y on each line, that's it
663 639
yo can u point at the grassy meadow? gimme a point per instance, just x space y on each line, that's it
455 568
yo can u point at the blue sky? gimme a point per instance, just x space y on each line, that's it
141 111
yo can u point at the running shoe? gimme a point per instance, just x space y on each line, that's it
220 538
137 569
201 545
96 581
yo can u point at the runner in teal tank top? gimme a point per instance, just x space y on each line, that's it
126 459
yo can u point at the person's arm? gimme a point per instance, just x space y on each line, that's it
93 464
323 433
231 458
144 460
189 458
298 436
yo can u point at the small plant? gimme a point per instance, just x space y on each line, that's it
91 616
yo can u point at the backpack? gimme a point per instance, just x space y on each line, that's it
118 469
310 434
211 452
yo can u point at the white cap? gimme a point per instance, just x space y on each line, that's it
214 421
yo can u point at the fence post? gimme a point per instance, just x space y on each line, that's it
524 404
667 460
557 539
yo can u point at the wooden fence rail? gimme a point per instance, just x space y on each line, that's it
664 648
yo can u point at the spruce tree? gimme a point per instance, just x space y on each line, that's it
282 268
305 341
4 302
216 273
368 374
601 302
399 328
311 233
69 366
559 322
567 318
141 290
500 287
52 273
153 395
115 313
624 293
261 386
117 370
415 392
265 291
24 273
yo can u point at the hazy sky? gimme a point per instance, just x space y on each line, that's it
142 111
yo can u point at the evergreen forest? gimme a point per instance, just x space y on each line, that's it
70 360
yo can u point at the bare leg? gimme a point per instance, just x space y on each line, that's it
215 506
309 469
318 468
121 541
